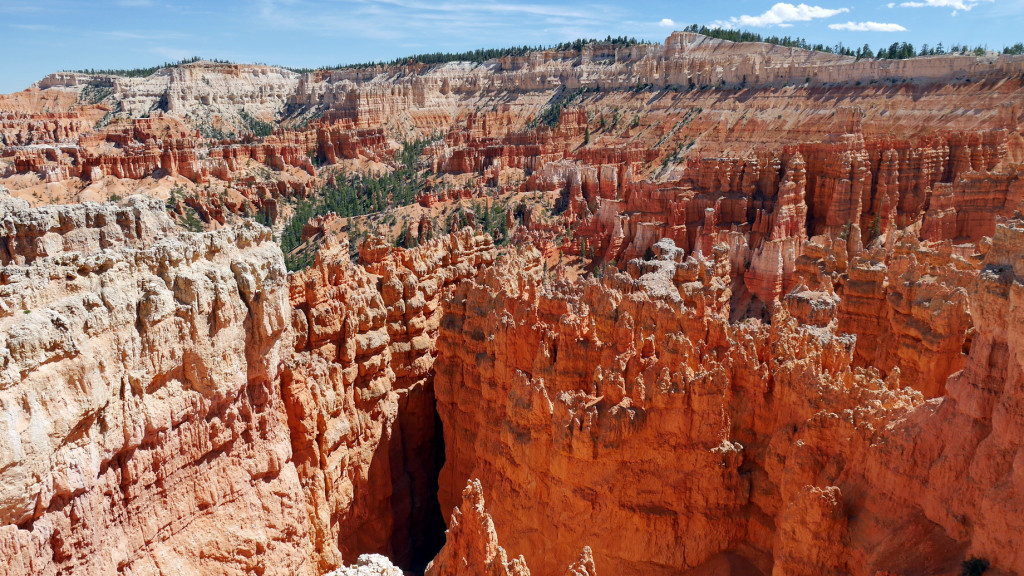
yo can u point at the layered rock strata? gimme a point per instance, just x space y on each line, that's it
359 393
632 416
59 128
174 402
637 402
143 429
812 323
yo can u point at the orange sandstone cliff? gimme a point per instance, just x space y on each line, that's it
757 315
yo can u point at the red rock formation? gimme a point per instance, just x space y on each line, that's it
924 302
359 390
806 362
691 448
163 145
472 545
20 129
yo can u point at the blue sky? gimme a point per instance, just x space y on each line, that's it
42 36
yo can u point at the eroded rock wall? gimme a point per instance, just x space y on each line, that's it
813 323
632 416
471 545
174 401
359 393
143 429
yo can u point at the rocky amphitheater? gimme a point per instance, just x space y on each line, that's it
753 311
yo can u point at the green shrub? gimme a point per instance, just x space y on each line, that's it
255 126
357 194
484 54
144 72
551 113
191 221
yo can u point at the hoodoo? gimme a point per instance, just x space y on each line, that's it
700 307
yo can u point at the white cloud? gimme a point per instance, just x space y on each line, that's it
143 35
482 7
782 14
33 27
667 23
954 4
451 21
868 27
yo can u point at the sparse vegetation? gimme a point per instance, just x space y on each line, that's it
895 51
553 111
356 195
93 94
265 218
105 121
788 41
301 120
492 220
191 221
172 201
844 233
256 126
144 72
208 130
677 154
483 54
875 228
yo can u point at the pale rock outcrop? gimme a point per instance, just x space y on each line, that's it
143 432
368 565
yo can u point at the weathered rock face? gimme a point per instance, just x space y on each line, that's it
359 393
422 97
166 147
199 89
986 400
161 418
765 205
369 565
789 97
633 417
143 429
173 402
806 361
472 547
911 313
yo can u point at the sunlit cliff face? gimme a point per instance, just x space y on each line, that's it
691 308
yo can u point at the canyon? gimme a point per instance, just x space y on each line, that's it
697 307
